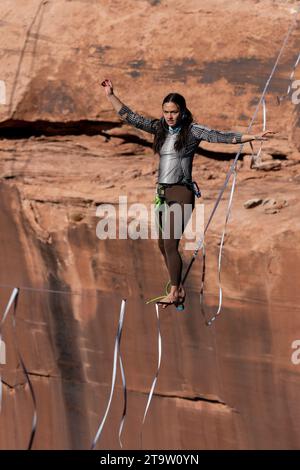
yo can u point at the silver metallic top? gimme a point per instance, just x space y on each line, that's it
176 166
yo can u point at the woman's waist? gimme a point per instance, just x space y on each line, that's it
191 185
169 185
162 188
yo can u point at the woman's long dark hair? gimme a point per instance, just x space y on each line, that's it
185 120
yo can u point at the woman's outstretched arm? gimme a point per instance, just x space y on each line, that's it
136 120
212 135
250 137
109 91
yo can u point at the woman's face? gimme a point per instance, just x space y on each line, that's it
171 113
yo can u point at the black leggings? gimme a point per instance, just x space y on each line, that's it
182 195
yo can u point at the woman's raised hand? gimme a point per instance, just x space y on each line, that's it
108 87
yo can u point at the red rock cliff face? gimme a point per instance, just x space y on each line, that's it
64 152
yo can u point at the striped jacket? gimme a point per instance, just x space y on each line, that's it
174 166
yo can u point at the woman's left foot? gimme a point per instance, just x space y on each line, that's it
170 299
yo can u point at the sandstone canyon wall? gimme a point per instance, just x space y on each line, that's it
64 152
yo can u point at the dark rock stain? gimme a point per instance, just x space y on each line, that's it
134 74
137 66
52 98
180 70
56 99
243 72
99 50
66 334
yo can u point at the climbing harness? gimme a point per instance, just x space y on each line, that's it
196 189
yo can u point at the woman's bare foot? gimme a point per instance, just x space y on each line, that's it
171 298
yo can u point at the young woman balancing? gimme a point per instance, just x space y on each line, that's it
176 138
